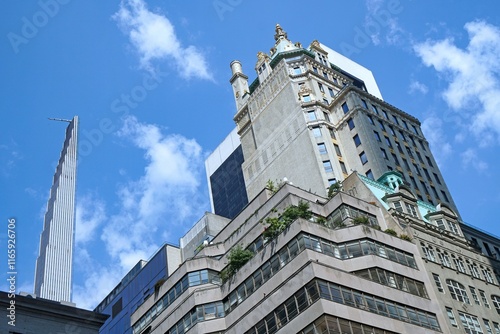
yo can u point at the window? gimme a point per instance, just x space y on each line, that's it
328 166
474 270
345 108
388 141
377 136
457 291
311 115
357 141
385 114
326 117
320 86
429 253
397 206
419 156
315 69
411 209
322 148
496 301
437 280
437 178
350 123
426 172
402 135
429 161
332 133
296 70
414 129
459 263
422 144
405 125
444 195
496 326
369 174
391 130
332 94
395 159
451 316
362 157
417 170
370 119
364 104
487 326
487 275
384 154
474 295
445 259
375 110
413 141
325 75
316 131
470 323
381 125
337 150
306 98
453 227
342 166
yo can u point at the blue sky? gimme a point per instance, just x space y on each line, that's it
149 81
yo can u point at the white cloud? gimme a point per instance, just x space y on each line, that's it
473 76
471 159
416 86
90 214
164 201
432 127
154 37
167 196
382 25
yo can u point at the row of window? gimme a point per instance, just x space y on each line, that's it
419 171
395 119
444 259
197 314
331 324
394 280
191 279
471 324
352 249
344 213
459 293
318 288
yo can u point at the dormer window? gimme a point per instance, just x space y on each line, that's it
411 209
453 227
262 68
297 70
397 206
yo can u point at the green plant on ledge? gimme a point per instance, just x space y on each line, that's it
361 220
276 225
334 189
237 257
405 237
391 232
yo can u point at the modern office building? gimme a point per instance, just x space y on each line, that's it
225 177
140 282
23 314
54 265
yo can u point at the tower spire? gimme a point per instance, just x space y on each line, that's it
280 33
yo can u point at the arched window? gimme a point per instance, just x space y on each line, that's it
458 291
496 302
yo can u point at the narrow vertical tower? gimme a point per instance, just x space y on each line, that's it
54 265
